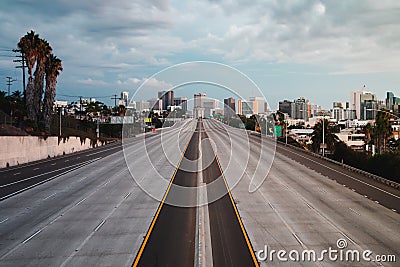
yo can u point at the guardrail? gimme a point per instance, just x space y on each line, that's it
348 167
345 166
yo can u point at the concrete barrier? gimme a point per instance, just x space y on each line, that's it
348 167
15 150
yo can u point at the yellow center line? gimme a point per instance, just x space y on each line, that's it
142 247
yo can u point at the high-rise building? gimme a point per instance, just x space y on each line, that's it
389 100
198 107
341 105
258 104
182 102
125 96
370 109
286 106
155 103
302 109
142 106
246 107
199 99
341 111
229 107
167 98
208 105
357 103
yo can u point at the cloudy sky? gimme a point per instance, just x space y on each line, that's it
321 50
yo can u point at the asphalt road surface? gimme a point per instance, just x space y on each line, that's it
171 242
299 208
86 209
17 179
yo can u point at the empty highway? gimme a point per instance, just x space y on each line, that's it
116 205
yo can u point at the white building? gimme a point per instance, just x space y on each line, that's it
208 105
362 102
353 140
246 108
259 104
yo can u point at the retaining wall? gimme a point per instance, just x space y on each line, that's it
16 150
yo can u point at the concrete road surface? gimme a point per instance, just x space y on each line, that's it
103 207
303 207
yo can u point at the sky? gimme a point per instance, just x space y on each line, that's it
321 50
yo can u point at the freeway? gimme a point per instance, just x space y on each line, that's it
115 205
93 215
171 238
298 207
17 179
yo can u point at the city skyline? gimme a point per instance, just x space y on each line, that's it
107 48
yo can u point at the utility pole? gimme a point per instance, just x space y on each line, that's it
115 100
60 109
9 83
22 66
80 107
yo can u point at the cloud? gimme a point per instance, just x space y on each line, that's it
111 41
90 81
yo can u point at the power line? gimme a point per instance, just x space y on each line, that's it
106 96
22 66
115 100
9 83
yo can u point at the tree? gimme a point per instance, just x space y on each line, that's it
52 70
38 55
330 139
28 46
43 53
382 130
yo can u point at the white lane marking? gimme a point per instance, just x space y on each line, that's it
83 199
298 239
94 231
62 214
44 181
49 196
100 224
35 176
106 183
66 160
17 173
101 151
4 220
35 169
83 178
53 164
377 188
32 236
49 160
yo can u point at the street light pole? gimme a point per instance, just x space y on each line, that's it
60 120
323 135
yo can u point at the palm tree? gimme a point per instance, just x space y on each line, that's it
52 69
43 53
330 138
382 130
28 45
